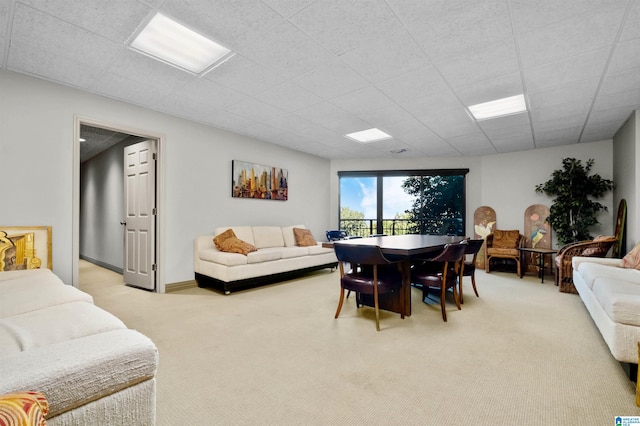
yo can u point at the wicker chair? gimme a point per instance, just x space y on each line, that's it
598 247
502 244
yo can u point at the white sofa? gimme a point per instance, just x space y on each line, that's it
277 258
611 294
89 365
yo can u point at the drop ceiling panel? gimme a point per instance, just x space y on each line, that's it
288 97
234 24
331 79
572 36
306 72
568 70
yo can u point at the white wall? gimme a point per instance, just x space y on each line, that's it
37 153
627 160
505 182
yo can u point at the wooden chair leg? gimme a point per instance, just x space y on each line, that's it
456 297
340 302
375 302
443 294
473 282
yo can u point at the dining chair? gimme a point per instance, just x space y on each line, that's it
469 270
365 270
442 272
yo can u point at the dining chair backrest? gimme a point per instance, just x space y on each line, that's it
360 254
451 253
473 246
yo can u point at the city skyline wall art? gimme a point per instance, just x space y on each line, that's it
251 180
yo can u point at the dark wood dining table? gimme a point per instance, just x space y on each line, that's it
403 248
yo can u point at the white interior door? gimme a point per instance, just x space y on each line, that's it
140 214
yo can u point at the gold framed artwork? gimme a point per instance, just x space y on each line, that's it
25 247
250 180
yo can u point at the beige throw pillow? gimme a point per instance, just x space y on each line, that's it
304 238
632 259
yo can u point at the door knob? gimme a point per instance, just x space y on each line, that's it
123 223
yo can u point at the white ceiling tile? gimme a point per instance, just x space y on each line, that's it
288 97
120 87
564 71
629 98
462 29
245 76
450 123
211 93
342 26
234 24
580 90
33 61
333 118
626 55
386 118
631 28
4 16
557 137
490 89
513 143
56 37
363 101
560 111
621 81
414 84
256 110
331 79
516 124
385 58
288 8
472 144
116 22
136 66
484 63
618 115
425 107
569 37
287 50
529 15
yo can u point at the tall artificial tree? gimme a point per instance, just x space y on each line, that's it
573 211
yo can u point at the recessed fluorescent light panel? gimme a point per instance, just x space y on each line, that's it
168 41
499 108
370 135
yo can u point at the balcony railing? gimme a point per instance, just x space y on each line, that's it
433 226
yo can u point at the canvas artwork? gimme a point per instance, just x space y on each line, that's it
250 180
537 232
484 223
25 247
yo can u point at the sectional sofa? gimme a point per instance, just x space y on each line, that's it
91 368
277 256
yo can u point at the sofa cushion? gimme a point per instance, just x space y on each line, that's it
267 236
619 299
304 238
318 249
236 245
221 238
287 235
37 291
591 271
227 259
632 259
289 252
265 255
72 321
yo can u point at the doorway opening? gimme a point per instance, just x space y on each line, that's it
99 198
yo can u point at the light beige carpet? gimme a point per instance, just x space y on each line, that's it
522 353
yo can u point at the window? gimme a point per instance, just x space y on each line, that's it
395 202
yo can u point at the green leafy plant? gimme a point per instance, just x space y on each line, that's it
573 212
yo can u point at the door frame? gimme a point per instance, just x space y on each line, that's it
160 201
